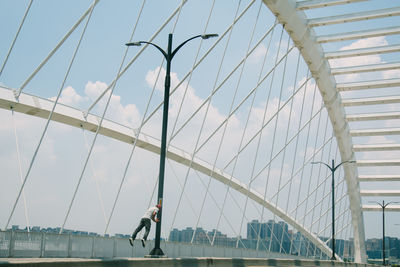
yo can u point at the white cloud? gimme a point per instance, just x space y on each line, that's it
367 42
380 154
361 60
258 54
191 102
391 74
70 97
124 114
94 89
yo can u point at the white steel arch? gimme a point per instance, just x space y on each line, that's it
301 29
39 107
296 25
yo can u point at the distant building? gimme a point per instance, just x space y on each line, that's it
270 236
200 236
392 249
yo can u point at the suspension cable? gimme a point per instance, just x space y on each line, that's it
15 39
88 12
286 139
180 109
99 195
248 119
203 122
191 73
72 61
290 141
50 116
202 58
138 131
309 194
227 77
154 85
275 127
315 190
230 109
133 60
265 124
20 169
304 157
294 155
324 182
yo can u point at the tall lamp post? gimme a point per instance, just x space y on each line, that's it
383 206
156 251
333 168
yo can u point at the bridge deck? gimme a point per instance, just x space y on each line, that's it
176 262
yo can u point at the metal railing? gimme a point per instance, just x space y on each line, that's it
51 245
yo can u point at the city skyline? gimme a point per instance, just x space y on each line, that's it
202 236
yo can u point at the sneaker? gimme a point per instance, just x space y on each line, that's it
131 241
143 242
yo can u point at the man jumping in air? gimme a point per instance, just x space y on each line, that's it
150 214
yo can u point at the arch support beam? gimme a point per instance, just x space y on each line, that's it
296 25
41 107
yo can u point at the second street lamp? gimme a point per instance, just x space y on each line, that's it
383 206
333 168
169 54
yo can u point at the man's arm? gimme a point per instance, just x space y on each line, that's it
153 217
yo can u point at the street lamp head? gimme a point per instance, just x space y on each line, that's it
207 36
134 44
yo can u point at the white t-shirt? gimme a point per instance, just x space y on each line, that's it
149 213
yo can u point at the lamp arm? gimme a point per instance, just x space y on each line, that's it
182 44
377 203
392 202
337 166
323 164
156 46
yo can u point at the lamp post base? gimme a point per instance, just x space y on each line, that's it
156 253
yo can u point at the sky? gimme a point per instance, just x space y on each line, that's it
59 163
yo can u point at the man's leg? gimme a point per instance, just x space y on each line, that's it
147 224
138 229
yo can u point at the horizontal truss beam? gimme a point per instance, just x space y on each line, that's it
379 178
310 4
375 132
373 116
377 162
362 52
379 147
370 101
366 68
381 193
368 85
337 37
345 18
395 208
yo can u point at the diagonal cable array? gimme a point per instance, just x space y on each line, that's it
272 123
